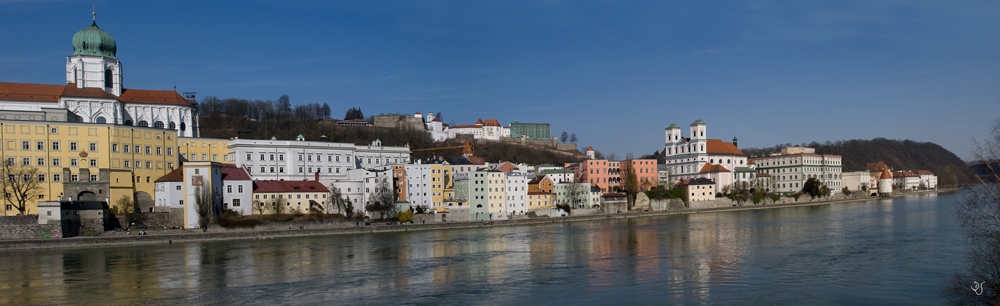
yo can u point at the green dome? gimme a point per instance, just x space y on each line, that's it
94 41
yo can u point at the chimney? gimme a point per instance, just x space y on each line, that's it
317 176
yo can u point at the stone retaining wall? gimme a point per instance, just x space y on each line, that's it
18 220
30 231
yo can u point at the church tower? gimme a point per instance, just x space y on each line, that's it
698 138
93 63
673 139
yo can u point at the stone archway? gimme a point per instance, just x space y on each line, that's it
86 196
143 201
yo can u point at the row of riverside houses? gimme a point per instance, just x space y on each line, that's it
724 165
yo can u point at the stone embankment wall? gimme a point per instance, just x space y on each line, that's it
27 227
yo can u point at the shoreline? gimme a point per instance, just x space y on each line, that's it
133 240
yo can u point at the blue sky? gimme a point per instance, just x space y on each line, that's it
615 73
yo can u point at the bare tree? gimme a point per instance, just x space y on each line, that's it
383 200
203 205
979 213
21 185
337 201
564 137
572 138
629 180
124 205
259 207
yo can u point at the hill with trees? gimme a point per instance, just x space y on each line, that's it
257 119
897 154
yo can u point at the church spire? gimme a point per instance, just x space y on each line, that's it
93 13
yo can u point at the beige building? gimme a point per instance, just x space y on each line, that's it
698 189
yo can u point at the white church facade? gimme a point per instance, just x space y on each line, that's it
94 92
699 157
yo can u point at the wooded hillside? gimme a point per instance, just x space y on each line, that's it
897 154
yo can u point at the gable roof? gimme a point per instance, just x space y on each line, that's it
174 176
288 186
695 181
52 93
233 173
491 122
876 166
925 172
506 167
153 96
716 146
885 174
710 168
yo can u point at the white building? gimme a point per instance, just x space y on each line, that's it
559 175
789 172
169 191
238 192
482 129
927 179
687 157
94 91
435 127
517 193
302 160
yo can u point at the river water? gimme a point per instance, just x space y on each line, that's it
883 252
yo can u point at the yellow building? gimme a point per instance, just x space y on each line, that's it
296 196
541 199
125 158
496 194
204 149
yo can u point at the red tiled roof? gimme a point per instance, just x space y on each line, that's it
52 93
174 176
750 162
70 90
479 121
418 113
235 174
465 126
288 186
30 92
153 96
506 167
925 172
476 160
436 120
491 122
904 174
590 148
710 168
885 174
716 146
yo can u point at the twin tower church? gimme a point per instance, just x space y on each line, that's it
95 93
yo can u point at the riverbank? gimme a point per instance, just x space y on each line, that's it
196 235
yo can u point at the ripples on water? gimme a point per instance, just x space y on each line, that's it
880 252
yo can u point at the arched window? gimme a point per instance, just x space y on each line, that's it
128 122
108 82
143 123
158 124
172 126
101 120
183 126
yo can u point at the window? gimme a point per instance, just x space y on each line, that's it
147 166
172 125
229 188
148 150
126 148
93 177
72 146
55 177
41 177
55 161
261 169
93 163
41 162
137 150
72 162
261 156
170 151
55 145
158 124
272 169
25 145
159 151
93 146
272 157
41 145
143 123
281 169
236 202
239 188
73 178
170 165
281 157
125 165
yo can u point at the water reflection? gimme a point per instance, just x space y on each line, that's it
804 255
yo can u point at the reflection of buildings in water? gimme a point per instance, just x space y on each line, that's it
37 279
717 251
647 251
